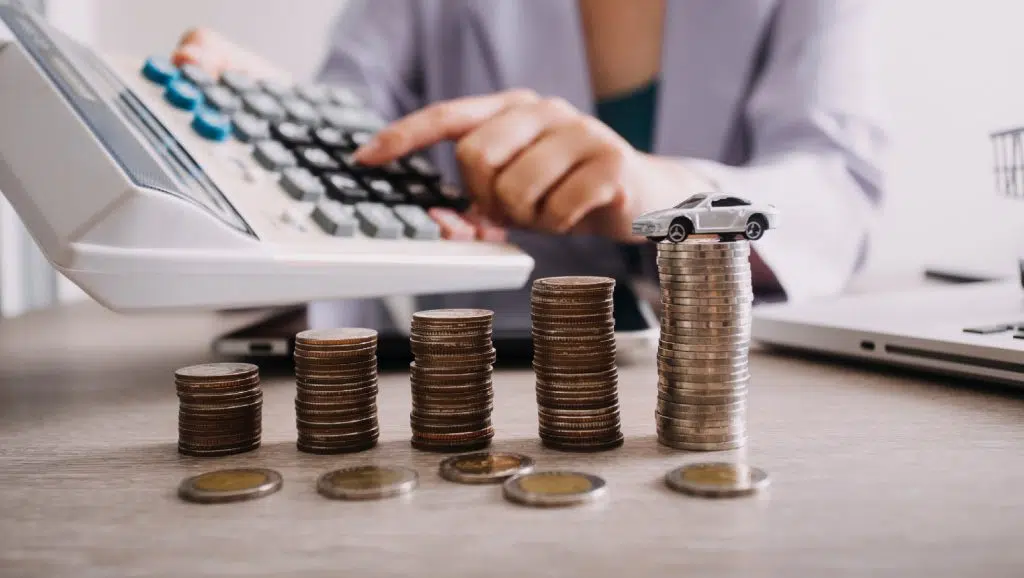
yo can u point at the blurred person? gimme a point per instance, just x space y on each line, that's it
566 119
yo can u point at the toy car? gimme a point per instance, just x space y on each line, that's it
723 215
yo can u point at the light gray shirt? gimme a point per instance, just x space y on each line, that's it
774 100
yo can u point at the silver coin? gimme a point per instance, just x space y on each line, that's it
735 325
696 292
670 335
676 436
702 447
741 309
682 410
704 373
683 433
230 485
704 246
667 384
484 467
554 488
697 398
682 357
706 258
717 480
695 422
701 270
728 348
669 298
367 482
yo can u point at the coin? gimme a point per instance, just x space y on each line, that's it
230 485
208 371
367 482
338 336
702 446
484 467
717 480
554 488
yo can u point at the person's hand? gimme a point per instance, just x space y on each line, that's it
539 163
215 54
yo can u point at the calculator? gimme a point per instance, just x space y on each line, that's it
153 186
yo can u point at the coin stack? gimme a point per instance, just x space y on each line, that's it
574 363
336 397
706 298
452 395
220 409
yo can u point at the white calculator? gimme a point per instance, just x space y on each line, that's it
157 187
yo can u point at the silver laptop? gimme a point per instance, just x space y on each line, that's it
971 330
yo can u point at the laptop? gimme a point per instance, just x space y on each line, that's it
973 330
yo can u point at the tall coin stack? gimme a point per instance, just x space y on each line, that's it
452 393
336 390
574 363
220 411
706 296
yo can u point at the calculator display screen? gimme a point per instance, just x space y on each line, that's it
109 108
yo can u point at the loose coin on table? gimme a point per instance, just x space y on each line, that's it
717 480
554 488
367 482
233 485
485 467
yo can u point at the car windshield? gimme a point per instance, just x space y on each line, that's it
691 202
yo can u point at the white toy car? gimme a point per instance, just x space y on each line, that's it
702 214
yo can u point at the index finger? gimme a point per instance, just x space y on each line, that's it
448 120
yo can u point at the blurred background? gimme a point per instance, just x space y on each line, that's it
951 71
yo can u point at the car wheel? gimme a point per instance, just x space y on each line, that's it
678 232
656 239
755 228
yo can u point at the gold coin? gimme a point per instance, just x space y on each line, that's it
485 467
367 482
717 479
230 485
554 488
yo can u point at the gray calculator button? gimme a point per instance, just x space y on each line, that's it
222 99
300 111
273 155
418 225
197 76
250 128
385 192
351 118
263 106
301 185
360 137
335 218
238 81
342 96
313 93
378 221
276 88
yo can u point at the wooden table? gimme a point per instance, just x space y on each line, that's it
874 475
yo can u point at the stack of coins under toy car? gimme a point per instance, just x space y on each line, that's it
336 394
452 395
705 339
574 362
220 409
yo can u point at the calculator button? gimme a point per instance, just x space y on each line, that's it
197 76
335 218
452 196
351 118
418 225
275 88
350 164
272 155
250 128
421 194
378 221
313 93
330 138
183 94
160 70
360 137
421 167
292 134
212 125
384 192
238 81
222 99
342 96
300 111
453 226
393 170
301 185
317 160
345 189
263 106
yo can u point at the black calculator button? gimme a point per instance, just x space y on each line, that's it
384 192
335 218
238 81
378 221
222 99
301 185
350 164
345 189
272 155
393 170
421 194
452 196
317 159
263 106
276 88
330 138
250 128
313 93
421 167
292 134
197 76
300 111
344 97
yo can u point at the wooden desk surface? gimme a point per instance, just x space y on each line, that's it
872 475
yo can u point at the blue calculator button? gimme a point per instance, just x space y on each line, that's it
160 70
212 125
183 94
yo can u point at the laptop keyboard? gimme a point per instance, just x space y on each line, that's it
307 134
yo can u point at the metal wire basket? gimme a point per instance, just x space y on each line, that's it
1008 152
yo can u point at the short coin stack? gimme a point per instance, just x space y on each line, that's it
452 393
705 338
220 409
574 363
336 396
